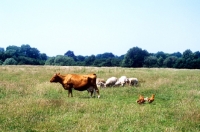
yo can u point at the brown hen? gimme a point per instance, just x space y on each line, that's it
150 100
141 100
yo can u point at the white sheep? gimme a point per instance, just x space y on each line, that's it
110 82
100 84
133 81
122 81
100 80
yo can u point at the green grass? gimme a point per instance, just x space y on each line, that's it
29 102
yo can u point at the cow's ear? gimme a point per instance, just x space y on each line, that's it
58 73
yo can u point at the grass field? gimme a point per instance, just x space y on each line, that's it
29 102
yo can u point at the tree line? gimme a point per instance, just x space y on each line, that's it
135 57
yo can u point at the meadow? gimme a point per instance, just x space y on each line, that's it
29 102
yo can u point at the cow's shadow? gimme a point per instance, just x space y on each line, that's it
87 97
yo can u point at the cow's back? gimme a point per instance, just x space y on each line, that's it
81 82
92 75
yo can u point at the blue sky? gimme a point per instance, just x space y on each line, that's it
89 27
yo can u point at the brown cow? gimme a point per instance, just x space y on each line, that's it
78 82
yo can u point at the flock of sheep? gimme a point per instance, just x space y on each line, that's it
113 82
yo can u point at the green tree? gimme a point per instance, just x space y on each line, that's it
10 61
64 61
50 61
150 61
12 51
161 54
89 60
196 63
196 54
105 55
70 53
2 54
80 58
134 57
177 54
33 53
196 60
1 49
27 51
107 63
22 60
170 61
160 61
43 56
116 61
24 49
1 62
188 59
180 62
187 54
99 62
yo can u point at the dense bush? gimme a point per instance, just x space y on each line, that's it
10 61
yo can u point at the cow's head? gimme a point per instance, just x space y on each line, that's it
55 78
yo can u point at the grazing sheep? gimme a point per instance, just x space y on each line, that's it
122 81
133 81
117 83
100 85
110 82
100 80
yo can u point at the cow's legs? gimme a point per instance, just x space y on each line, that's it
97 91
70 92
91 92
